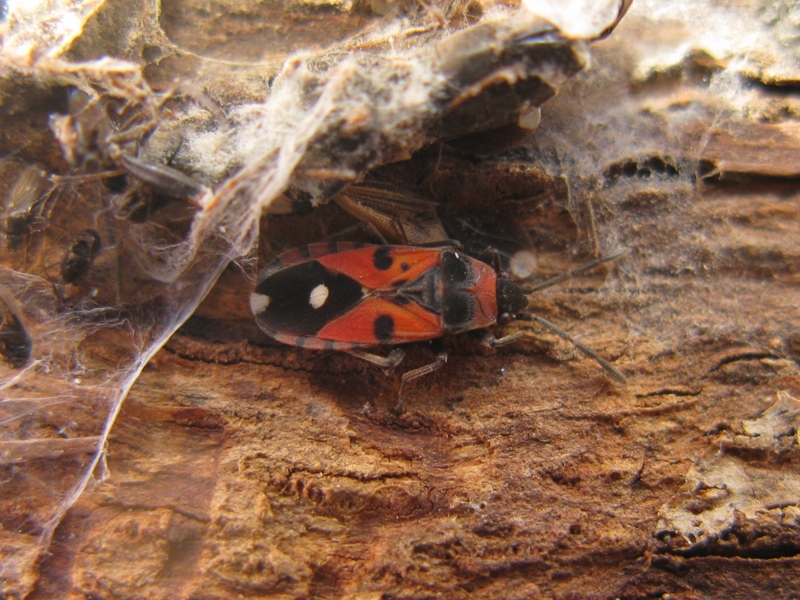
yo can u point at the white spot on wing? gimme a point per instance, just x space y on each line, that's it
259 303
318 295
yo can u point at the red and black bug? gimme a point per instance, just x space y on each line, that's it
349 296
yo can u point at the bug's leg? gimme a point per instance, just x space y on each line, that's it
607 366
387 362
489 340
448 243
441 359
362 227
491 256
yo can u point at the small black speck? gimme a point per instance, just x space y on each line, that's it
404 266
116 184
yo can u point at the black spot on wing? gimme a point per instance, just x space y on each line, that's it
382 258
289 290
384 328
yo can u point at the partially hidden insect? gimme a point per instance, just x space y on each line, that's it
28 205
161 183
167 180
79 258
402 216
349 296
399 215
15 343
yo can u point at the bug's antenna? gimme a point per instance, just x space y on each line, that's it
585 267
609 368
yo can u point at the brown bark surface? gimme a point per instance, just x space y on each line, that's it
258 471
239 468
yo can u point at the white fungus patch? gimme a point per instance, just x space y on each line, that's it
522 264
259 303
318 296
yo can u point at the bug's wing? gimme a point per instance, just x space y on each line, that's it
378 320
402 217
383 267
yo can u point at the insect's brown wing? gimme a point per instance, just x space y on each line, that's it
401 216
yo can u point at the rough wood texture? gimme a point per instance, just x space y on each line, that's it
266 471
239 468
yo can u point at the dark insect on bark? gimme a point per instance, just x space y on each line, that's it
15 343
80 256
27 206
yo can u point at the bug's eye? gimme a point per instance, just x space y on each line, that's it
505 318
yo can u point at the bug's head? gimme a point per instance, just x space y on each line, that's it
511 300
